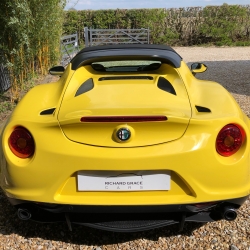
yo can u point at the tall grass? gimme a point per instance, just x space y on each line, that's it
30 33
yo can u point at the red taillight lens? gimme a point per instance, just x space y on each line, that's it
230 139
21 143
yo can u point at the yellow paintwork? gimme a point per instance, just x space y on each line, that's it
186 148
110 98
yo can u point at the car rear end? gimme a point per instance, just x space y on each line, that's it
126 150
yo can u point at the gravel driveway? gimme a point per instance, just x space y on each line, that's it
228 66
231 68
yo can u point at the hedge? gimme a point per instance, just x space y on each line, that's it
30 30
220 25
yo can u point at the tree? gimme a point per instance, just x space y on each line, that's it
29 37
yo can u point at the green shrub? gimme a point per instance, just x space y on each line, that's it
29 37
218 25
224 25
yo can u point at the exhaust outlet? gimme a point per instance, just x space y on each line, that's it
229 213
23 214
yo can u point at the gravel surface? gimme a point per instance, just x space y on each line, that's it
231 68
228 66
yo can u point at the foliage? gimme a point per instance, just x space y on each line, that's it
226 24
30 30
29 36
184 22
6 106
154 19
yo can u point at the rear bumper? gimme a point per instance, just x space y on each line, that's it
128 218
198 173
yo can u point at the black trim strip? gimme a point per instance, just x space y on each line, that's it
128 46
62 208
125 78
161 53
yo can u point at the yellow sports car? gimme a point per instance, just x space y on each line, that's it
127 139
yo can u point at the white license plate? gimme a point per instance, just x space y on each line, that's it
123 181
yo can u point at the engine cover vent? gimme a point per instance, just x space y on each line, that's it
126 78
165 85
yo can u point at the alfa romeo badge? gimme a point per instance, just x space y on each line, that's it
123 134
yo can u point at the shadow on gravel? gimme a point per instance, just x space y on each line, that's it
11 224
233 75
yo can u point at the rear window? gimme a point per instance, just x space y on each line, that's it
126 66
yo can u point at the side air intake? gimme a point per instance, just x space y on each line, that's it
165 85
48 111
85 87
203 109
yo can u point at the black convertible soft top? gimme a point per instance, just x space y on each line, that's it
152 52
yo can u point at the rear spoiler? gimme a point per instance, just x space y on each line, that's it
114 53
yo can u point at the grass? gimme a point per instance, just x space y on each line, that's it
6 106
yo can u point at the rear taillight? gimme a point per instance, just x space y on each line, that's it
21 143
230 139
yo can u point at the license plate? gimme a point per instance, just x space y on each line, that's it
123 181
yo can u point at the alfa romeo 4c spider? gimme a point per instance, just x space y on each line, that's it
127 139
